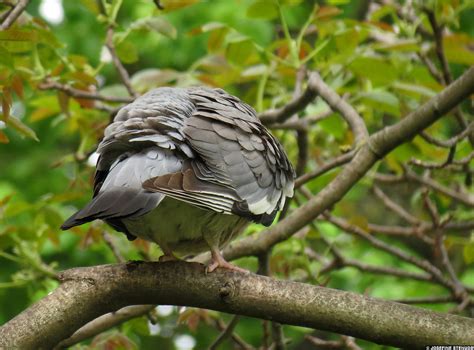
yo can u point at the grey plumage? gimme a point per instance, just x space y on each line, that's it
181 152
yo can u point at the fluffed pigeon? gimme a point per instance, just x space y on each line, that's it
188 169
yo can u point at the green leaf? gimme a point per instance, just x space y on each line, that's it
21 128
333 125
381 100
6 58
239 50
264 9
157 24
375 69
112 9
127 52
468 253
147 79
458 49
414 89
338 2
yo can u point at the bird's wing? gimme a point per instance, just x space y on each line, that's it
238 165
140 144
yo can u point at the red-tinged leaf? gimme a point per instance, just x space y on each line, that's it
207 79
326 12
3 137
78 61
359 221
458 49
170 5
216 39
6 199
6 102
17 85
18 35
84 102
42 113
91 5
81 77
142 245
93 235
382 25
63 100
57 70
192 317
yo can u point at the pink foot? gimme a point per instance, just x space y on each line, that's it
219 261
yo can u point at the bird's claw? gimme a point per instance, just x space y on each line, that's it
225 265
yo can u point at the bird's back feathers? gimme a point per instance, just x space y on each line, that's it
199 145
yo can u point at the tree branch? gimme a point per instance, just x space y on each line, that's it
13 14
124 76
376 147
355 121
76 93
105 322
87 293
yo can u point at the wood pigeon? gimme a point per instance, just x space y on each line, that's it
188 169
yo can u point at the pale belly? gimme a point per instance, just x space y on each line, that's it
184 228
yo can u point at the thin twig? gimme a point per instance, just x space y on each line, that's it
105 322
435 73
421 263
436 299
110 242
438 35
76 93
447 76
324 168
301 123
397 209
235 338
355 121
450 142
13 14
124 76
225 333
462 197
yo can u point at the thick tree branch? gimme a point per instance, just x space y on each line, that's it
87 293
377 146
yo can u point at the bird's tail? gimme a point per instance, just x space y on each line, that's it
80 217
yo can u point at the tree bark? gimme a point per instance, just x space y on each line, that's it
87 293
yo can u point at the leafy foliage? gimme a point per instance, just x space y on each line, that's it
375 57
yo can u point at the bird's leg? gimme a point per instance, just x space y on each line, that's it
219 261
167 254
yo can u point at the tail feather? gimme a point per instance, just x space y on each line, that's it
121 195
76 219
